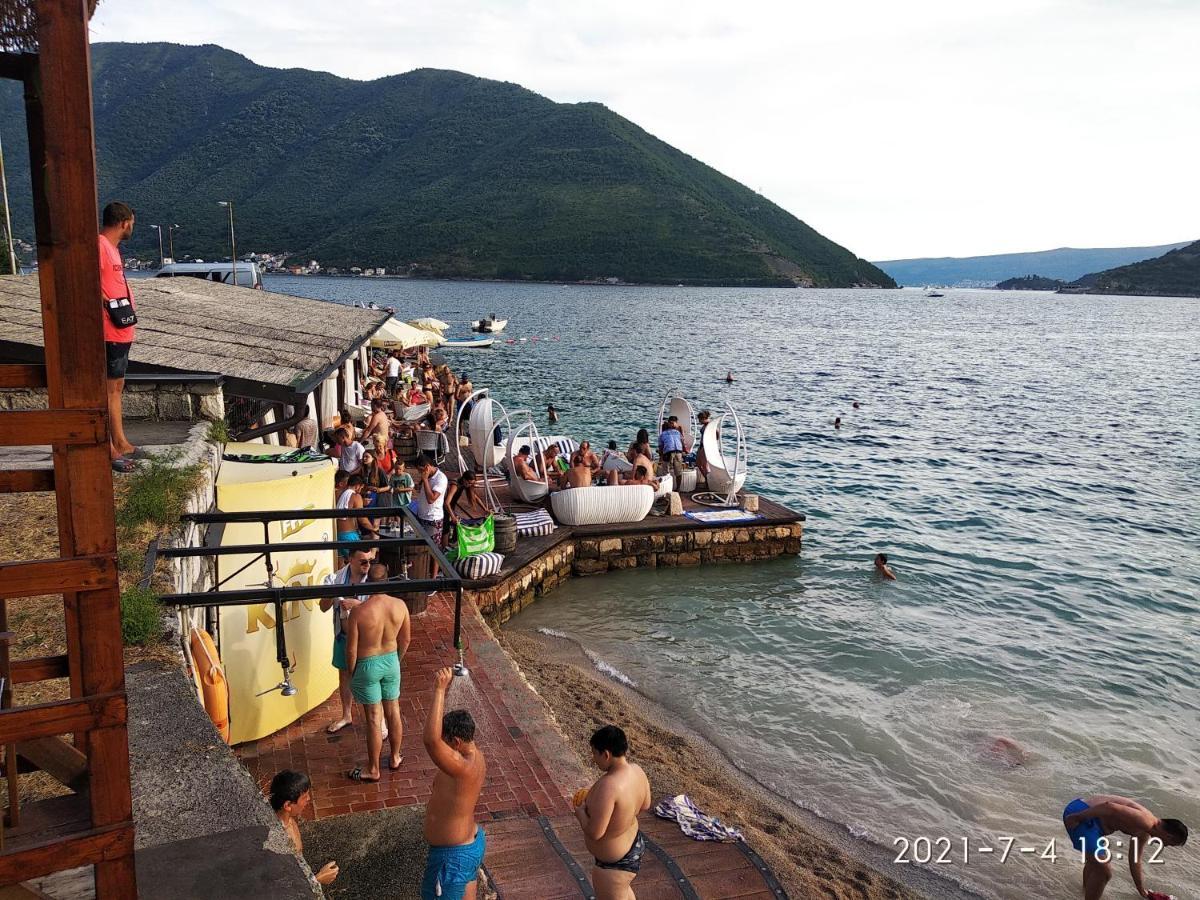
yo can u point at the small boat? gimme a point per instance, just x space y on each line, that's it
935 294
478 342
490 325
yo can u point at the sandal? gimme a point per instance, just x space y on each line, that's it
357 775
123 465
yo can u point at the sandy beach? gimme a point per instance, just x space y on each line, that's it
811 857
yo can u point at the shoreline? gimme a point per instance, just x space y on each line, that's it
811 855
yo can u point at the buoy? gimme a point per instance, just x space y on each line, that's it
213 686
523 340
510 341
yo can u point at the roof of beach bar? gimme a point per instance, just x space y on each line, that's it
265 344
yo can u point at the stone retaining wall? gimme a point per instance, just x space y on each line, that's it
593 555
182 401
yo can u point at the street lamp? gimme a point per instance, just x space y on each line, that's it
232 239
171 242
158 228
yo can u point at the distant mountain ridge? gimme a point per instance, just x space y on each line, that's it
1174 274
433 172
1064 264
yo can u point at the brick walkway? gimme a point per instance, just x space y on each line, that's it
518 781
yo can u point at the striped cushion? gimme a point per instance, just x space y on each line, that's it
480 565
534 524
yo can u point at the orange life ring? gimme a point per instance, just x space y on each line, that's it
213 686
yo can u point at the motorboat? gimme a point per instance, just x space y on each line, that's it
469 344
490 325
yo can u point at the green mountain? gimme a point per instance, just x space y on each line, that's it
440 172
1174 274
1065 263
1030 283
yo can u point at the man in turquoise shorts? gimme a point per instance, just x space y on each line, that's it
1090 821
377 636
456 843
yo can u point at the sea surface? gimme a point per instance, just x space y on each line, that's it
1029 462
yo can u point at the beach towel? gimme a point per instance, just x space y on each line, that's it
694 823
722 516
534 524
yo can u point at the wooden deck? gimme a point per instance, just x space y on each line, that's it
530 549
545 859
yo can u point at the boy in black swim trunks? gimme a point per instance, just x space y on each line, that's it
608 813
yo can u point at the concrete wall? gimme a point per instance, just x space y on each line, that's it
594 555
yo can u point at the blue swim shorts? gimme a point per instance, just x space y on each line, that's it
449 870
1086 835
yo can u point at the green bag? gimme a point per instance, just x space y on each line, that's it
478 538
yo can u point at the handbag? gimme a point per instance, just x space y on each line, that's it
121 312
476 538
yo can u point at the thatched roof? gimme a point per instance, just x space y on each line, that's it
18 24
265 344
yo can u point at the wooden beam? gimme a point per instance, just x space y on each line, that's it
53 426
58 759
56 576
22 376
25 481
25 723
98 845
40 668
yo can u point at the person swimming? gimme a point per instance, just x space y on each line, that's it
882 568
729 378
837 423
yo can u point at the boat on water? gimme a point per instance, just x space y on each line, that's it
358 304
490 325
468 344
934 294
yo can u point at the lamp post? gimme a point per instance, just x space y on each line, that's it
158 228
232 239
171 242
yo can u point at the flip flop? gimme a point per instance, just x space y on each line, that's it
337 726
357 775
397 765
123 465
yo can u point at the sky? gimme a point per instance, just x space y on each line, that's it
898 129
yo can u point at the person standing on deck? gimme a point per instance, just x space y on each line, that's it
117 300
429 492
670 449
608 812
456 843
378 633
354 572
392 374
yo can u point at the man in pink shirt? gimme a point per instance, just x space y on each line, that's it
116 226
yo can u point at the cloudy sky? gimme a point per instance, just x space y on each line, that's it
922 128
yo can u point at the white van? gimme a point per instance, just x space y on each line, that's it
248 274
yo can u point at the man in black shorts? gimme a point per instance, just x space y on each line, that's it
116 226
608 811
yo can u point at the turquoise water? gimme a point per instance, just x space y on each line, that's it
1029 462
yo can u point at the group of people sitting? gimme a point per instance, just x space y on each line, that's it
635 466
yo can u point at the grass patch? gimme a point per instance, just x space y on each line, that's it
156 494
140 623
218 431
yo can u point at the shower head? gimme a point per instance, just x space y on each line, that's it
460 670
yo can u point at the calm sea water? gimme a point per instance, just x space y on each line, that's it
1029 462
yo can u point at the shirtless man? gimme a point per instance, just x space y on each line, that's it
352 527
554 464
1089 821
456 843
586 456
882 569
641 475
291 796
354 572
524 469
608 813
377 637
378 423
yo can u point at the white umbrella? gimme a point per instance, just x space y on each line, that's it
429 324
394 335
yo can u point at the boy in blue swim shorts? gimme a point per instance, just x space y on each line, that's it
1089 822
456 843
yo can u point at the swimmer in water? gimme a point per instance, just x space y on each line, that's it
882 568
1008 751
856 404
551 413
837 423
729 378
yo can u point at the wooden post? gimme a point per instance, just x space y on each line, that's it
64 182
